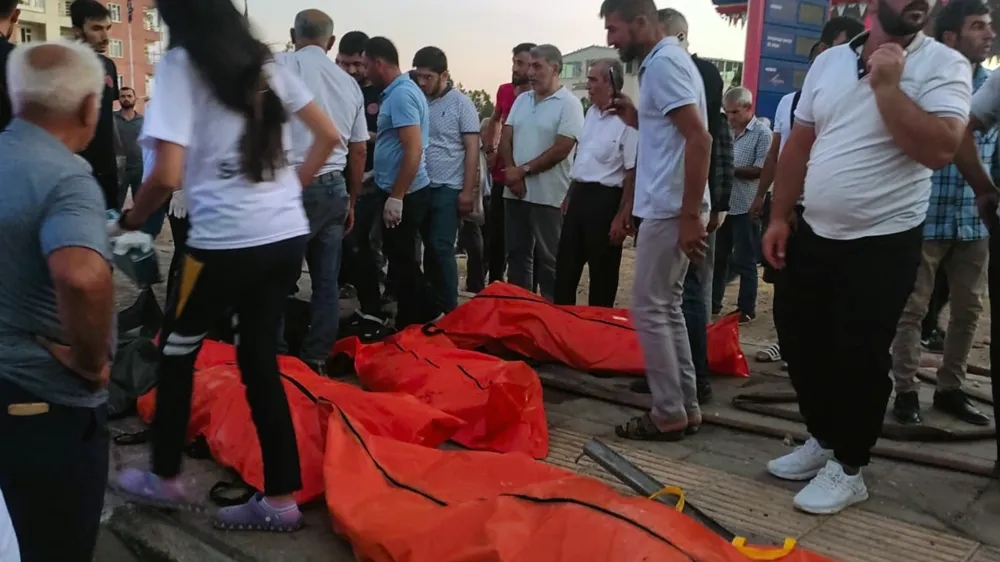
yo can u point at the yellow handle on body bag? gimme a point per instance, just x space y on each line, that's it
674 490
763 553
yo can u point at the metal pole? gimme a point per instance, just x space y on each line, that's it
131 60
644 484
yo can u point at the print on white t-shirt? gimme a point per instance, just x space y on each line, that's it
227 210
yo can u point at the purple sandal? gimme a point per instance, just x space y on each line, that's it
257 515
146 488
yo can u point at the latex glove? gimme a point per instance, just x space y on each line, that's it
178 205
135 240
392 213
114 228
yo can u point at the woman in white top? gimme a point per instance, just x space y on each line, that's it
220 128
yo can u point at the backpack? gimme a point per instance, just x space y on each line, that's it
795 103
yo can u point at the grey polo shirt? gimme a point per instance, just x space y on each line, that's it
50 201
128 133
452 116
668 80
536 124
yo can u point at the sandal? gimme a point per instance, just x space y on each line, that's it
257 515
770 354
643 428
146 488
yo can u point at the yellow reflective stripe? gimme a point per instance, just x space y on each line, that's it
190 270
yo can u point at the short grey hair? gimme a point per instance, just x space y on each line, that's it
56 75
550 53
673 21
606 64
739 95
313 24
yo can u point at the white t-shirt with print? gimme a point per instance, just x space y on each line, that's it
227 211
859 182
9 551
783 119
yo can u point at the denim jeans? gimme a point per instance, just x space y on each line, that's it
735 251
361 257
440 266
417 303
695 316
326 205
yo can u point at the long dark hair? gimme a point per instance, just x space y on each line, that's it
230 59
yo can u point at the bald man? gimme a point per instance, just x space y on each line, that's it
328 202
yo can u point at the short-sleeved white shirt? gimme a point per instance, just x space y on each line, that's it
337 94
227 211
783 119
606 150
668 80
536 125
8 540
859 182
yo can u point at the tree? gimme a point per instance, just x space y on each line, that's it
481 99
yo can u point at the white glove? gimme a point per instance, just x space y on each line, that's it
392 213
114 228
137 240
178 205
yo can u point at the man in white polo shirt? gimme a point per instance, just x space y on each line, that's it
598 207
672 199
452 164
328 204
875 116
537 140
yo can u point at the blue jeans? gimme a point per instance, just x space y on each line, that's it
440 267
735 251
696 317
326 205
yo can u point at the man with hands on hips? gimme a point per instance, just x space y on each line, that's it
852 263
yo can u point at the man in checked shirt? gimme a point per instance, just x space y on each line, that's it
956 245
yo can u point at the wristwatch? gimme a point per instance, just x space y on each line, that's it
526 169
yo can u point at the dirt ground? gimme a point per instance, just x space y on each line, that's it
761 330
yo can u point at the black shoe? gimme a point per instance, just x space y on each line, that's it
746 318
907 409
318 367
716 310
935 343
640 386
955 403
704 393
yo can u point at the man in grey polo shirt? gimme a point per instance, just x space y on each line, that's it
537 140
452 164
672 200
57 288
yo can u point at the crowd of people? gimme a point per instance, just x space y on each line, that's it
874 184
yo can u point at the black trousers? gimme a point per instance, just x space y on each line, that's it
359 267
845 295
474 239
179 230
417 303
253 284
585 239
994 288
53 474
497 251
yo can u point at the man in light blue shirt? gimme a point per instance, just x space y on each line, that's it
401 175
452 165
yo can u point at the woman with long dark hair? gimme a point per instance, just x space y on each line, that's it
219 128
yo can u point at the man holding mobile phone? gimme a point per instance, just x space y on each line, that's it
598 206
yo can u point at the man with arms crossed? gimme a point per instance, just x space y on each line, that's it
328 205
537 140
672 200
56 305
852 263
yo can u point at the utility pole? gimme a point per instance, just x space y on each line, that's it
131 59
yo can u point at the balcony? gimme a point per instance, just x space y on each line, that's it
64 8
32 5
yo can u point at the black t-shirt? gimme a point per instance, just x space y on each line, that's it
100 153
373 100
712 79
5 112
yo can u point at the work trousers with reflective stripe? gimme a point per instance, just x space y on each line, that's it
251 285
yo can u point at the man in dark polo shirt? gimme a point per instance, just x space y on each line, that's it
9 13
91 23
362 257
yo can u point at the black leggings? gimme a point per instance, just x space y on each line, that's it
252 284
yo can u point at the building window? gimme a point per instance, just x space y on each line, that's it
116 12
32 5
121 81
116 49
151 19
26 34
153 52
571 70
149 85
65 7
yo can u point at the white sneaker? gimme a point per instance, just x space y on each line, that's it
831 491
802 463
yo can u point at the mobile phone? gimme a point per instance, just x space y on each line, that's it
616 80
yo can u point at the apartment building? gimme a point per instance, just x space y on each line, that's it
135 54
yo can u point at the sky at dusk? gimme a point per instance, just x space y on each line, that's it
477 35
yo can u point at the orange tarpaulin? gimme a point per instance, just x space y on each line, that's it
583 337
220 413
400 502
500 401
